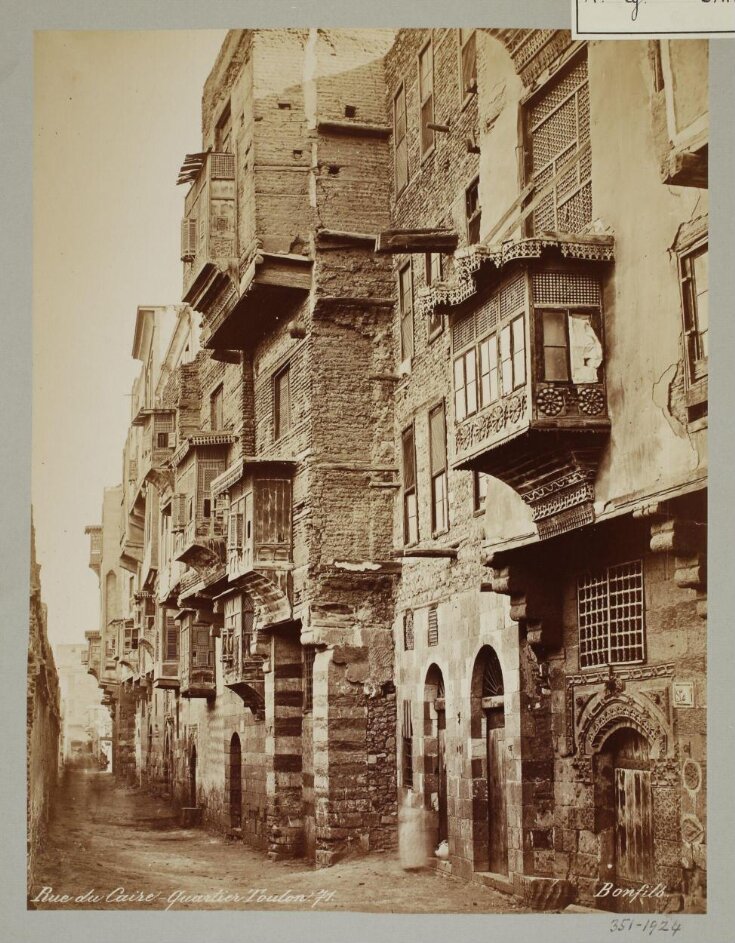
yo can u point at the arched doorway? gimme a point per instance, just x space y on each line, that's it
193 777
168 758
235 782
624 802
488 724
435 780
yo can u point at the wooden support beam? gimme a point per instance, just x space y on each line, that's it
449 553
356 128
392 241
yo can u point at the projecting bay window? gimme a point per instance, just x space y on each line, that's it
465 385
694 270
426 97
467 64
499 361
405 309
400 142
610 604
571 347
438 460
410 506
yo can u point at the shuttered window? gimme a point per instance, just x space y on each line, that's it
400 142
216 403
282 403
467 63
405 308
433 631
408 638
410 507
171 651
438 462
473 211
558 124
426 96
695 291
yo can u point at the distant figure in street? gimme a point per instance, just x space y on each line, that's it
413 838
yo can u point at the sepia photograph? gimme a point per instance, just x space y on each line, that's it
370 411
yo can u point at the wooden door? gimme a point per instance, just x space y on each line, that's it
193 778
442 774
633 825
497 819
235 782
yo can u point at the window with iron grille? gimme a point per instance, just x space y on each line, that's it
694 273
610 607
282 403
408 630
407 746
467 63
309 655
433 633
405 309
400 141
216 403
558 136
438 465
410 505
473 211
426 97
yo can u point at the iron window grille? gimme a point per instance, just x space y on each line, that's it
410 503
433 630
610 605
438 464
309 655
407 746
408 637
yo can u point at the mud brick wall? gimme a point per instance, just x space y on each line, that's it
43 722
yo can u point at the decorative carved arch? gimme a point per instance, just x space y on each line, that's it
603 716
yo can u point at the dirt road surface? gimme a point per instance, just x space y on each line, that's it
112 847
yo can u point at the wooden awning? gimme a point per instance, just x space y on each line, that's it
191 167
393 241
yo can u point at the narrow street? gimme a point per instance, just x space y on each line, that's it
111 845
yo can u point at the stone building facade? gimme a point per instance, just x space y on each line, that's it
550 645
414 501
43 722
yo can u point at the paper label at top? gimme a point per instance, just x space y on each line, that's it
623 19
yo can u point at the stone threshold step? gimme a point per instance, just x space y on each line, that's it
500 882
